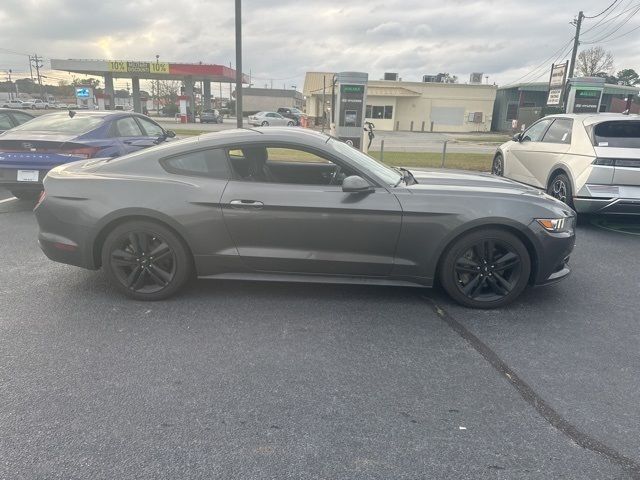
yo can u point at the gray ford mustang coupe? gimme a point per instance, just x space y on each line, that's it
295 205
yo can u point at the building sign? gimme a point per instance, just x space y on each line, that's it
119 66
556 83
83 92
586 100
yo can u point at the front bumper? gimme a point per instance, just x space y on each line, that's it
609 199
554 250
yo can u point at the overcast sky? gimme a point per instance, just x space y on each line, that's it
283 39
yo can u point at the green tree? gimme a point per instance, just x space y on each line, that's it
628 76
92 82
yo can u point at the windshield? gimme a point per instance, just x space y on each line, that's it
618 134
380 170
61 123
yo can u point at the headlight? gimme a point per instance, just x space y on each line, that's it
556 225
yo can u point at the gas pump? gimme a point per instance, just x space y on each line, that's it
350 101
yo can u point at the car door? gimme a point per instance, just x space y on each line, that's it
546 154
296 227
518 156
277 119
129 135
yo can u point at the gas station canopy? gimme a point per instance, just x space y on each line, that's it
149 70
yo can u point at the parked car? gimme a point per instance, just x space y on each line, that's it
292 113
35 104
591 162
61 106
10 118
295 205
210 116
15 103
29 151
267 119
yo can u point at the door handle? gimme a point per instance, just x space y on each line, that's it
246 204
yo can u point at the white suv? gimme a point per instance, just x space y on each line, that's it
13 104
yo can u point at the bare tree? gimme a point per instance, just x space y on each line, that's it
595 61
168 89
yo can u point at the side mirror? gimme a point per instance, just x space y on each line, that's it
517 137
170 133
356 184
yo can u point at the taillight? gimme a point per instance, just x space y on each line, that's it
41 198
618 162
84 152
605 162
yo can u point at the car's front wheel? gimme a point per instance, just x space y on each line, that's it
265 124
498 165
146 260
487 268
289 124
560 188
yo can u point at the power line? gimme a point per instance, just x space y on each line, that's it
544 63
623 35
615 29
595 16
604 20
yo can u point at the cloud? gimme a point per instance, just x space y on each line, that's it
283 39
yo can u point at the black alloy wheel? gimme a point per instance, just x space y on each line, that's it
146 261
498 165
560 188
486 269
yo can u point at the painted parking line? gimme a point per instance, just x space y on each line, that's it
10 199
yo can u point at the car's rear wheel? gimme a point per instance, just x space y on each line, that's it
487 268
289 124
498 165
560 188
146 260
26 194
265 124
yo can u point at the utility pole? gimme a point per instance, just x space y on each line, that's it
576 43
38 65
10 89
238 63
157 87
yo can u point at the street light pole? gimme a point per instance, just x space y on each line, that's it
239 63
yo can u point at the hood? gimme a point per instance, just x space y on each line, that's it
473 181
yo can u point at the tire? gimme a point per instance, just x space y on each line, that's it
130 266
26 194
497 168
289 124
264 124
560 188
474 278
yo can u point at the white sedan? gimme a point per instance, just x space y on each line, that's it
591 162
270 119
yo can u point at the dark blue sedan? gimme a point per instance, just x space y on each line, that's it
29 151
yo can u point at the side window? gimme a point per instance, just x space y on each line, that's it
559 131
127 127
279 164
276 154
150 128
5 122
535 132
21 117
205 163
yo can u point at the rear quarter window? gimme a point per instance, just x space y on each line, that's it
203 163
617 134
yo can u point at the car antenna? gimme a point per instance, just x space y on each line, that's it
72 114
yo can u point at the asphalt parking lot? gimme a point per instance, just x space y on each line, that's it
246 380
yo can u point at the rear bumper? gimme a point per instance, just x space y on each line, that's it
9 179
62 241
609 199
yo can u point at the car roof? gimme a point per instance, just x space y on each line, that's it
264 134
593 118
